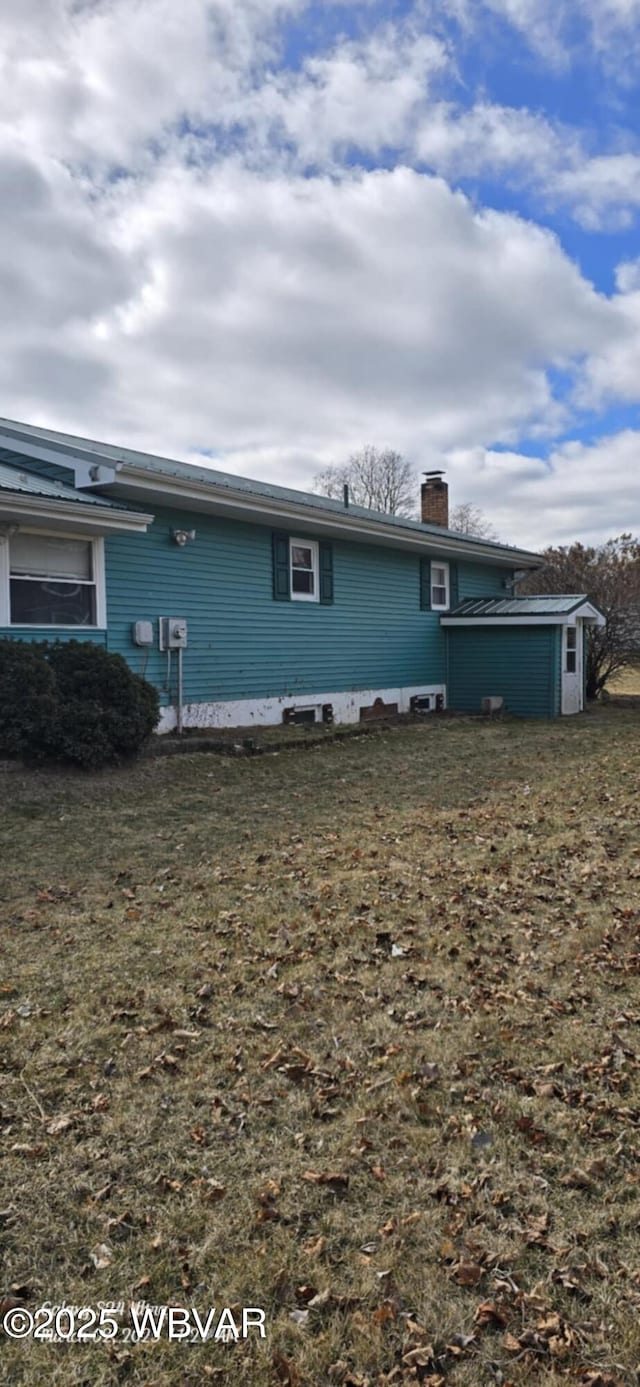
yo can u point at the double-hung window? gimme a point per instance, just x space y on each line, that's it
53 580
303 558
439 586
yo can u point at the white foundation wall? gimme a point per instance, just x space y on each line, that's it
267 712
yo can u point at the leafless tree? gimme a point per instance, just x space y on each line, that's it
468 519
378 478
610 575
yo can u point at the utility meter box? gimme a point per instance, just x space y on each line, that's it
142 633
173 632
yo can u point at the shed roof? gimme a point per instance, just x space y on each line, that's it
557 605
554 609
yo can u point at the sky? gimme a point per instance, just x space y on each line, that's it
262 233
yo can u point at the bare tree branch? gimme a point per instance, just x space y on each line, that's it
468 519
378 478
610 575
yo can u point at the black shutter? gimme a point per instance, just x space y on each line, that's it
453 585
425 584
281 572
326 573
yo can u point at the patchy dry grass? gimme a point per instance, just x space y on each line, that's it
350 1035
626 681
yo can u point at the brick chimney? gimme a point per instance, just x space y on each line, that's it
434 500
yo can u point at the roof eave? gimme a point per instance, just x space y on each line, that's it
16 506
269 510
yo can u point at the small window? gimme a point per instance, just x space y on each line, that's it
439 586
303 555
571 650
52 581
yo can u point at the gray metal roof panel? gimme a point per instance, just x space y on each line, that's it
556 605
31 484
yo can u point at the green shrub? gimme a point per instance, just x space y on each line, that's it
72 701
28 702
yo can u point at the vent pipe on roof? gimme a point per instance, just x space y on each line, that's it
345 495
434 500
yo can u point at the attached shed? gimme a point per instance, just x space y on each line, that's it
529 651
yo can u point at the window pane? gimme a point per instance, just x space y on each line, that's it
301 558
47 556
571 662
301 580
439 597
438 575
572 637
51 603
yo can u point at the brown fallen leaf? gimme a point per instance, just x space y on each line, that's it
467 1273
488 1315
285 1370
333 1179
59 1124
314 1246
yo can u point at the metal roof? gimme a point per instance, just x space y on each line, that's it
67 447
556 605
30 484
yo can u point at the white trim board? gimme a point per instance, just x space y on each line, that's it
267 712
16 506
569 619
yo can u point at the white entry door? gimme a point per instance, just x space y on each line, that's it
572 669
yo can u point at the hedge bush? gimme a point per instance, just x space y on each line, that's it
72 701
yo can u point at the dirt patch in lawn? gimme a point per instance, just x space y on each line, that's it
351 1037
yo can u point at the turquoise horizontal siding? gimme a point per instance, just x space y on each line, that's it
482 580
519 664
243 644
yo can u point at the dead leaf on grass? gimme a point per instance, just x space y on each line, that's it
333 1179
285 1370
101 1256
467 1273
489 1316
59 1124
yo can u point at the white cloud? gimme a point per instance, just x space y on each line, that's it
97 82
238 311
557 29
581 492
365 95
170 279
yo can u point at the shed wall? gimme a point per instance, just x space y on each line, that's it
519 664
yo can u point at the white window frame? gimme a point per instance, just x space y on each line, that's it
97 561
440 606
311 544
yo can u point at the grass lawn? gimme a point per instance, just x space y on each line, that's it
626 681
348 1034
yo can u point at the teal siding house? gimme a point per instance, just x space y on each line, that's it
247 604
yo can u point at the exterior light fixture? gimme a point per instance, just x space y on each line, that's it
181 537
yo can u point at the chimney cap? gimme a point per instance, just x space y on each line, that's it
437 473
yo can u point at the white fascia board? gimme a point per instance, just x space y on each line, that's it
586 613
16 507
270 511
